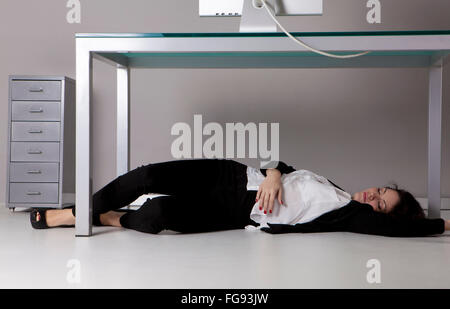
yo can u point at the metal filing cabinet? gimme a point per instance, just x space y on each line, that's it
41 142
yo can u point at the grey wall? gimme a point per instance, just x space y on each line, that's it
358 127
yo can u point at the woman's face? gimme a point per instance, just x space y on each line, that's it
381 199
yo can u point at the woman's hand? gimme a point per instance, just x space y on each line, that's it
270 189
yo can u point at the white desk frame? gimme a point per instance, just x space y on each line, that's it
109 48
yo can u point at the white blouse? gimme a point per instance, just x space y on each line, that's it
306 196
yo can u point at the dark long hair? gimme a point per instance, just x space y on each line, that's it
408 207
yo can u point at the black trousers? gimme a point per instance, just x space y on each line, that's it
202 195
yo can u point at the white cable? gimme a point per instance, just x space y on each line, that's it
300 42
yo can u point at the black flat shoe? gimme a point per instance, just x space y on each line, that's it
42 223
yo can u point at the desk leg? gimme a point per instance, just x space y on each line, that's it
123 120
83 182
435 139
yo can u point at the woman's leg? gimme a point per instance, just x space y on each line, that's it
197 177
224 208
149 217
206 195
180 214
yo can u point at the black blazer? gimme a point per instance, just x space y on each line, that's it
358 218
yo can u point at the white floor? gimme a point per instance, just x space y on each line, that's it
120 258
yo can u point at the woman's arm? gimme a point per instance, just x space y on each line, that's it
360 218
375 223
282 167
273 172
269 189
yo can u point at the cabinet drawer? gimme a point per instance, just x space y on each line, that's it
33 193
36 111
34 172
38 151
35 131
35 90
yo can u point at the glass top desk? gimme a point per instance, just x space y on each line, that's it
245 50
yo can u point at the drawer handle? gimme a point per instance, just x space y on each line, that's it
40 110
33 193
34 131
40 89
34 152
34 172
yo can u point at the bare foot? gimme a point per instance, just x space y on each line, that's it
111 218
56 217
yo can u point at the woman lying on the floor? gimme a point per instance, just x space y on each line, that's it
203 195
